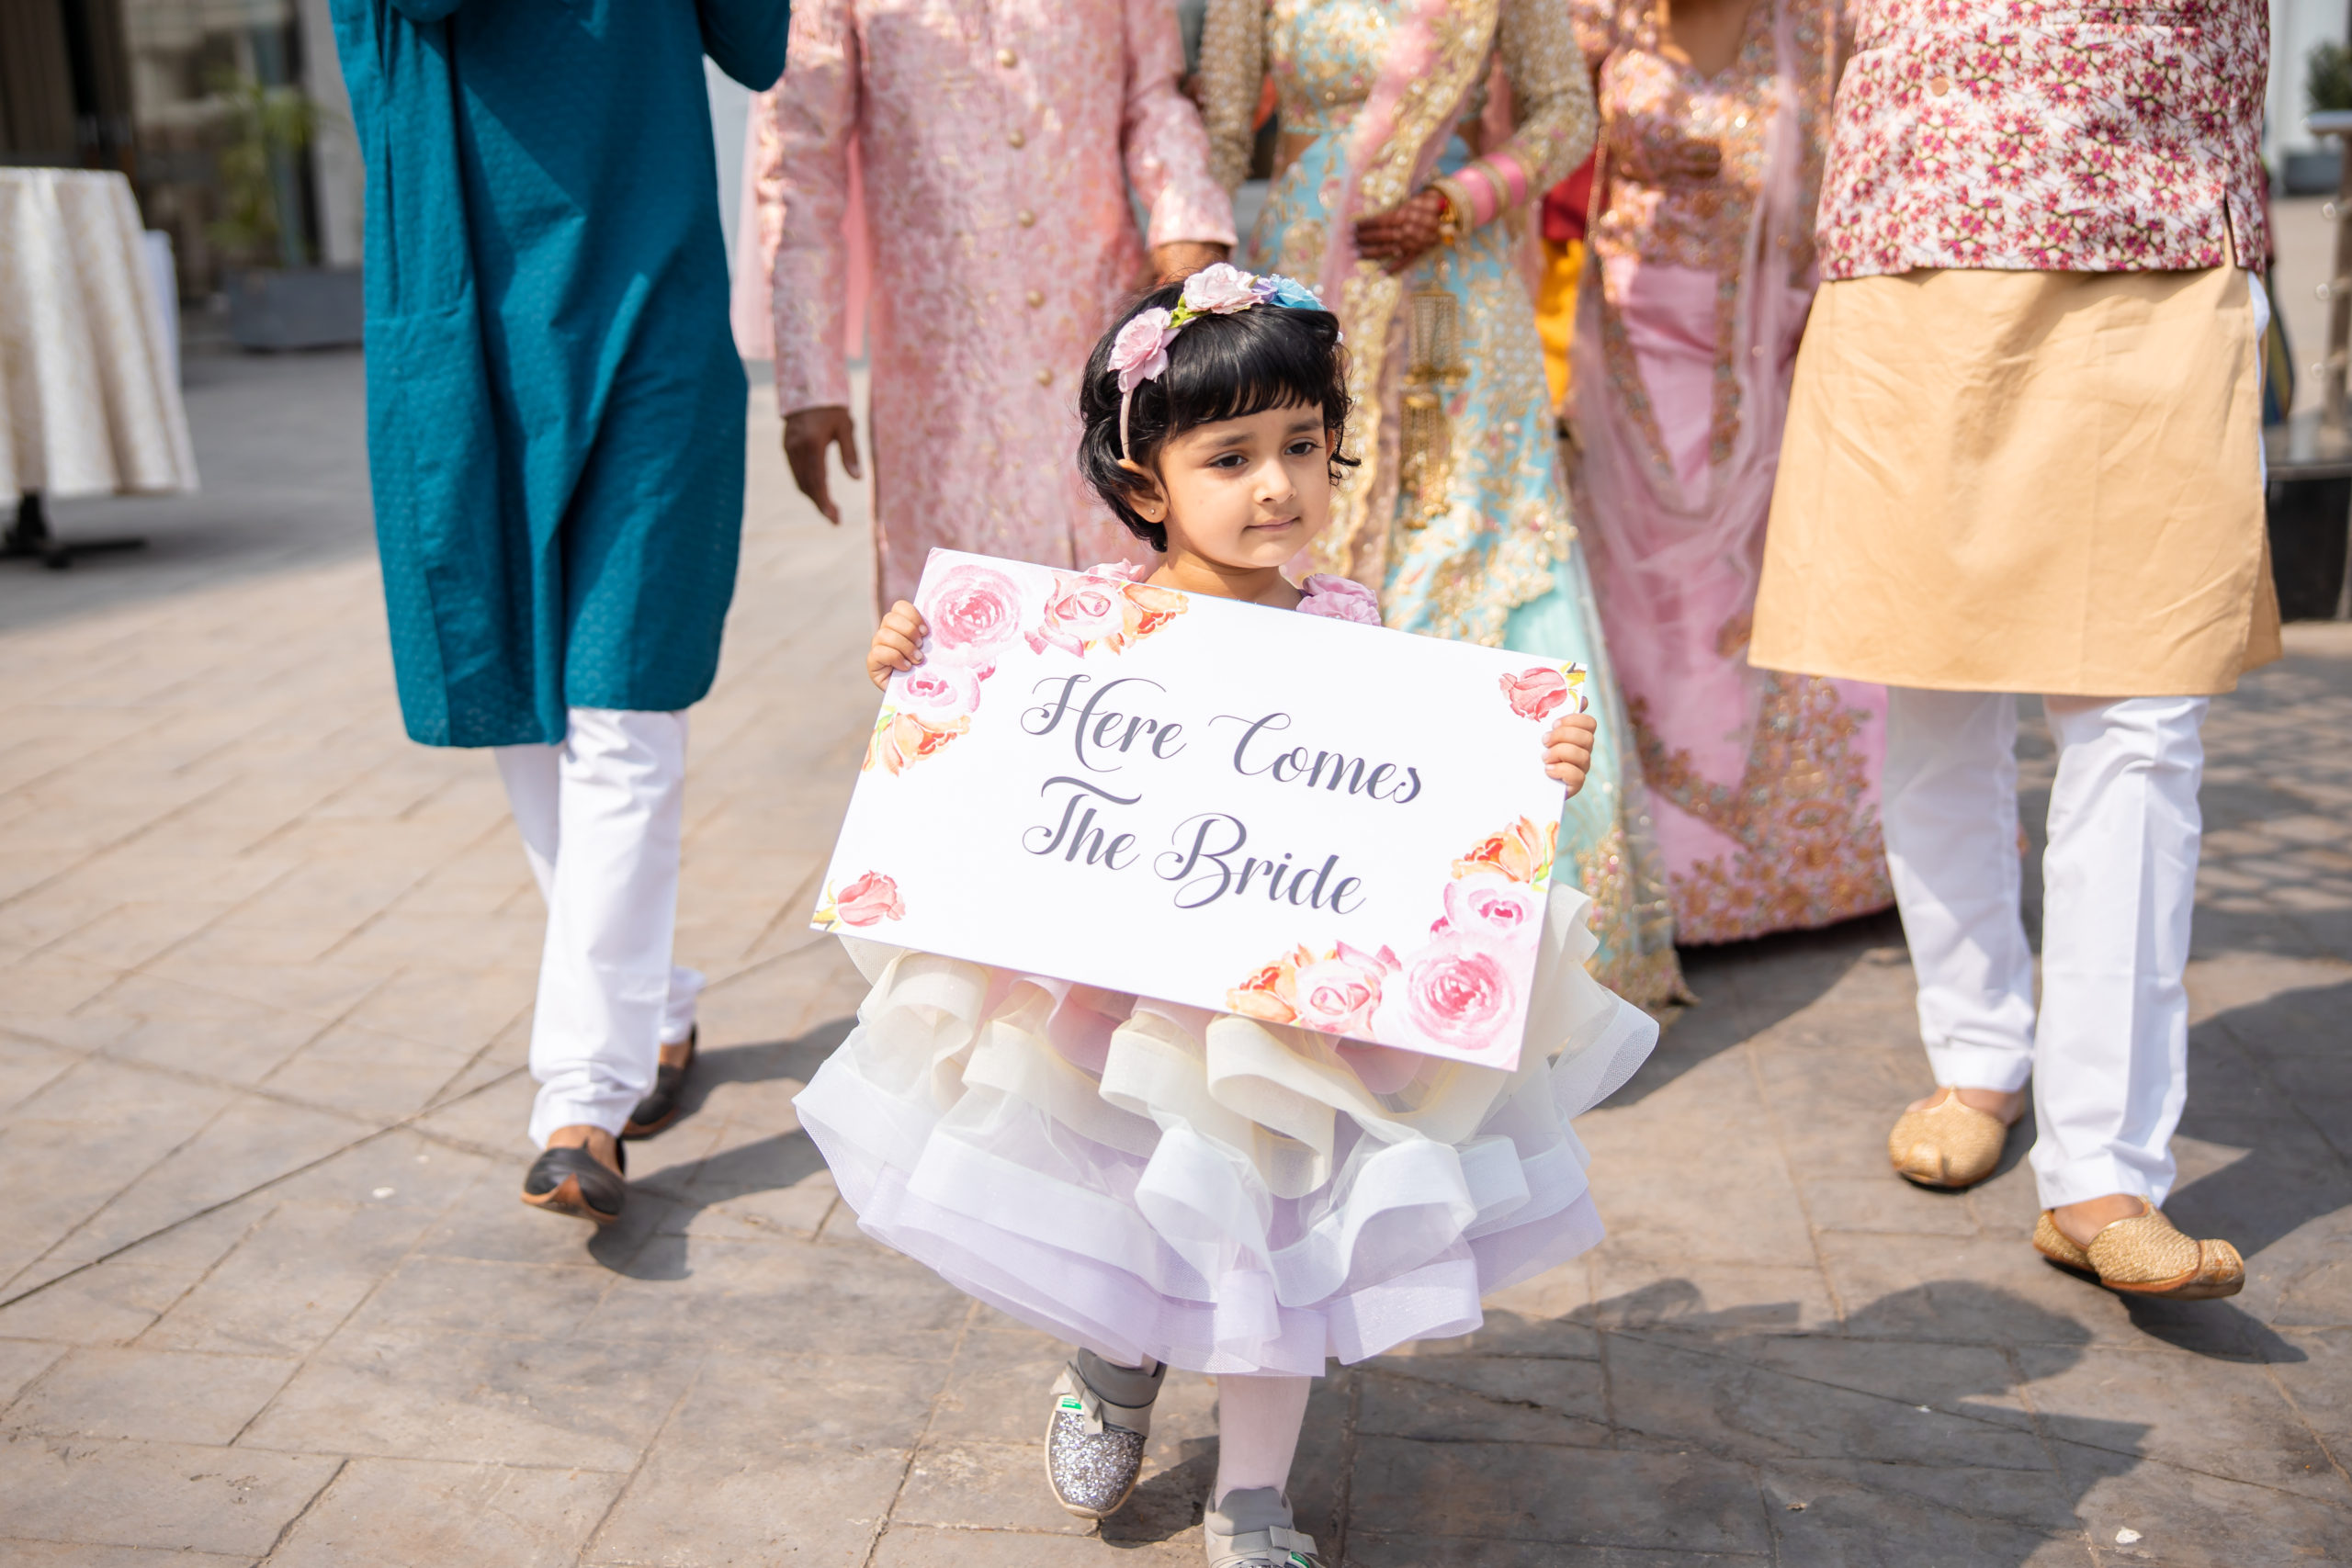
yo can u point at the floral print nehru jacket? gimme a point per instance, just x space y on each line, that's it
2018 135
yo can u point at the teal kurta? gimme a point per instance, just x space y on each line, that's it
555 409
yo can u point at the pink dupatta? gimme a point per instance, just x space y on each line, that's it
1675 572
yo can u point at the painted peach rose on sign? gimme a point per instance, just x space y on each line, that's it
901 740
1522 853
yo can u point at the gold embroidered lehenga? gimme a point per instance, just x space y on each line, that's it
1458 515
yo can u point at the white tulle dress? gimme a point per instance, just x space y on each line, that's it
1220 1193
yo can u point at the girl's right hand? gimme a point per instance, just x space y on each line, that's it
896 644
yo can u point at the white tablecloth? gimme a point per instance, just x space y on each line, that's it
89 392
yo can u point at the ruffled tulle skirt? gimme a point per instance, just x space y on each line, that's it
1220 1194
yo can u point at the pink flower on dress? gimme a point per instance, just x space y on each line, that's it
870 900
973 610
1534 692
1493 909
1139 353
1220 289
1082 610
1455 996
1340 599
940 687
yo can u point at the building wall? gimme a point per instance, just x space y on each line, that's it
2295 26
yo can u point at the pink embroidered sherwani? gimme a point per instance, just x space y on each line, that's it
996 140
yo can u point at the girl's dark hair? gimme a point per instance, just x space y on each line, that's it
1219 368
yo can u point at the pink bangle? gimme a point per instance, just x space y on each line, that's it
1477 184
1510 176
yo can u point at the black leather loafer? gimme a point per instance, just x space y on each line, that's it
575 1183
658 1110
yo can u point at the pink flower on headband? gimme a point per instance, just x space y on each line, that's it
1221 288
1139 354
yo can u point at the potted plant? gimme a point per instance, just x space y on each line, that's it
278 299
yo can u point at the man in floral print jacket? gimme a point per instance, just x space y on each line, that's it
2023 456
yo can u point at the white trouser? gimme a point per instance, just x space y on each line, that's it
2108 1056
601 818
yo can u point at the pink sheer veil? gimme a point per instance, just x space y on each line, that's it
1673 570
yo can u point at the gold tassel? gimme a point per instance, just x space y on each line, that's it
1433 367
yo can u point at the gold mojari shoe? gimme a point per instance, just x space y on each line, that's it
1951 1143
2146 1257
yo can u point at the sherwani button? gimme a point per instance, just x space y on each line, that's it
1044 376
1007 58
1036 297
1025 217
1939 86
1014 137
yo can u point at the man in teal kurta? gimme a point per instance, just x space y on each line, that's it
555 418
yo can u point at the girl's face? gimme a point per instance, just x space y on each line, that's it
1245 493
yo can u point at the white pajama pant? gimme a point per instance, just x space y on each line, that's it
601 818
2107 1053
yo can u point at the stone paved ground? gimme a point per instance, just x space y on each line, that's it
265 973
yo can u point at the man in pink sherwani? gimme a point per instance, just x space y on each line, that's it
995 142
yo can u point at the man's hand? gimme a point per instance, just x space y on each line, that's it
1568 750
1175 261
896 642
807 434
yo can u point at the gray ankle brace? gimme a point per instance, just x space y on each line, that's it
1131 1387
1247 1508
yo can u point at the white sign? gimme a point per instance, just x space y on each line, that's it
1299 818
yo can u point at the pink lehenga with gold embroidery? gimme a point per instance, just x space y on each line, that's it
1764 787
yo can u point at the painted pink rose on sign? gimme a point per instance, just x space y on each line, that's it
1455 996
1338 994
1340 599
867 900
973 609
1493 907
870 900
938 688
1082 610
1535 693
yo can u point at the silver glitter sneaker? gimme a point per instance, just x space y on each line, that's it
1252 1528
1093 1448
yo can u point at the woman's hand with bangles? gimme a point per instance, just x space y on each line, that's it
1402 236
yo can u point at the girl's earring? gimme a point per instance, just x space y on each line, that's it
1149 505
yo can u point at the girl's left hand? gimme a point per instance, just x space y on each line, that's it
1568 750
1400 237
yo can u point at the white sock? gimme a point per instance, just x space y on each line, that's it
1258 1420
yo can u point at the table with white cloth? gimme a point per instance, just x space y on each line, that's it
89 384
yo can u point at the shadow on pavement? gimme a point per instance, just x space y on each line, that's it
649 1243
1647 1423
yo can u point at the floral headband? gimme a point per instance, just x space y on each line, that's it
1139 354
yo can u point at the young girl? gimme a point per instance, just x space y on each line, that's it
1172 1186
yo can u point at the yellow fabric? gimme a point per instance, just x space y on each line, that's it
1555 311
2023 481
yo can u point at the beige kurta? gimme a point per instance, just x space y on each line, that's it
2023 481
